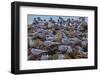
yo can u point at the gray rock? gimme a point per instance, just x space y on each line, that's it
49 38
74 40
62 48
31 42
44 57
65 41
49 43
69 50
37 51
60 56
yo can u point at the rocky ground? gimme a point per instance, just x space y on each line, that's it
62 39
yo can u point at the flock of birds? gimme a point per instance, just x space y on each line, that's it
61 39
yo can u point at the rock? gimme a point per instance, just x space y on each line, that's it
65 48
74 40
49 38
81 27
29 51
62 48
66 56
33 57
38 42
53 57
65 41
33 35
50 43
58 36
44 57
50 24
69 50
31 42
40 30
61 56
37 51
71 34
41 35
84 44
